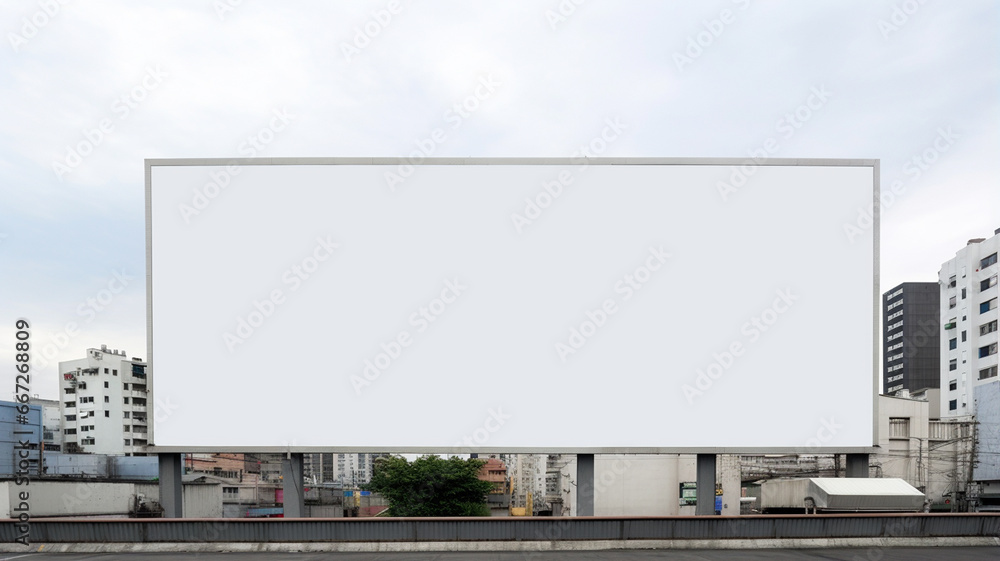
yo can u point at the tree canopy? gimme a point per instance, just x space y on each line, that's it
431 486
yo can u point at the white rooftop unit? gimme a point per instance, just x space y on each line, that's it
831 494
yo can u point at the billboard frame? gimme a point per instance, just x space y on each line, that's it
560 161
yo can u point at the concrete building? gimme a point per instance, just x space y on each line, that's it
51 423
934 455
495 471
527 481
911 329
103 403
986 466
634 485
318 468
231 466
969 294
89 498
353 470
15 428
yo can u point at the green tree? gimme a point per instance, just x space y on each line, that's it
431 486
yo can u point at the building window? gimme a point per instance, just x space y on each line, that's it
952 302
115 371
82 386
126 428
105 370
963 336
70 404
953 344
899 427
953 385
963 294
988 327
987 261
70 417
87 442
990 372
128 442
988 350
986 284
125 387
953 405
953 364
126 414
951 282
70 391
106 385
107 413
107 399
126 401
987 306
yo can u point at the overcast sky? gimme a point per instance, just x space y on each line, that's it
891 80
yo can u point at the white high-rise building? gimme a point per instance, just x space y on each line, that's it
103 403
353 470
969 293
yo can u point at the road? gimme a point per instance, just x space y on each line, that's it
853 554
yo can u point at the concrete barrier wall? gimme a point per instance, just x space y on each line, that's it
302 530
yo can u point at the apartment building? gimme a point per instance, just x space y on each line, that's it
104 403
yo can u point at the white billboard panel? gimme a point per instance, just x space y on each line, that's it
551 305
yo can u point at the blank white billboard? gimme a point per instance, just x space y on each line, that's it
512 305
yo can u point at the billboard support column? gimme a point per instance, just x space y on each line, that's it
291 481
171 490
857 465
706 485
584 484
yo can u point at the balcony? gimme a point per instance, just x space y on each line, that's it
141 394
139 421
139 408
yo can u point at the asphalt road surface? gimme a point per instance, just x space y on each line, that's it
851 554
